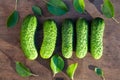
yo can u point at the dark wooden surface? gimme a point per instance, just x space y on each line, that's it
10 50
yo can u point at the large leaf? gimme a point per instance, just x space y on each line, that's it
57 7
108 9
22 70
79 5
56 64
13 19
36 10
71 70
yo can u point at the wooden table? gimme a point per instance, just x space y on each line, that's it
10 50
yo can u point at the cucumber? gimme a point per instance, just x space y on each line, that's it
49 40
96 43
67 38
27 37
82 38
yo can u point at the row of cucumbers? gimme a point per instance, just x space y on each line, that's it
50 35
27 37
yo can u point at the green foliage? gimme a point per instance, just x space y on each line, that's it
99 72
36 10
71 70
22 70
79 5
13 19
56 64
108 9
57 7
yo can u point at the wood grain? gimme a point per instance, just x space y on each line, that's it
10 50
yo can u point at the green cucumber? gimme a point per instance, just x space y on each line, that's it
96 43
49 40
27 37
67 38
82 38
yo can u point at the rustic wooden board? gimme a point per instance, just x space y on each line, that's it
10 50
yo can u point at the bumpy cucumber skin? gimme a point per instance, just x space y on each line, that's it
97 31
27 37
67 38
82 38
49 40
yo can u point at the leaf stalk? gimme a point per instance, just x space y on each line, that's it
115 20
16 4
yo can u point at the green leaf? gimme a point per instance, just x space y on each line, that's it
56 64
36 10
22 70
57 7
99 71
79 5
13 19
71 70
108 9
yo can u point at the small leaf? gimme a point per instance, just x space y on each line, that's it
71 70
13 19
108 9
79 5
22 70
99 71
56 64
57 7
36 10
